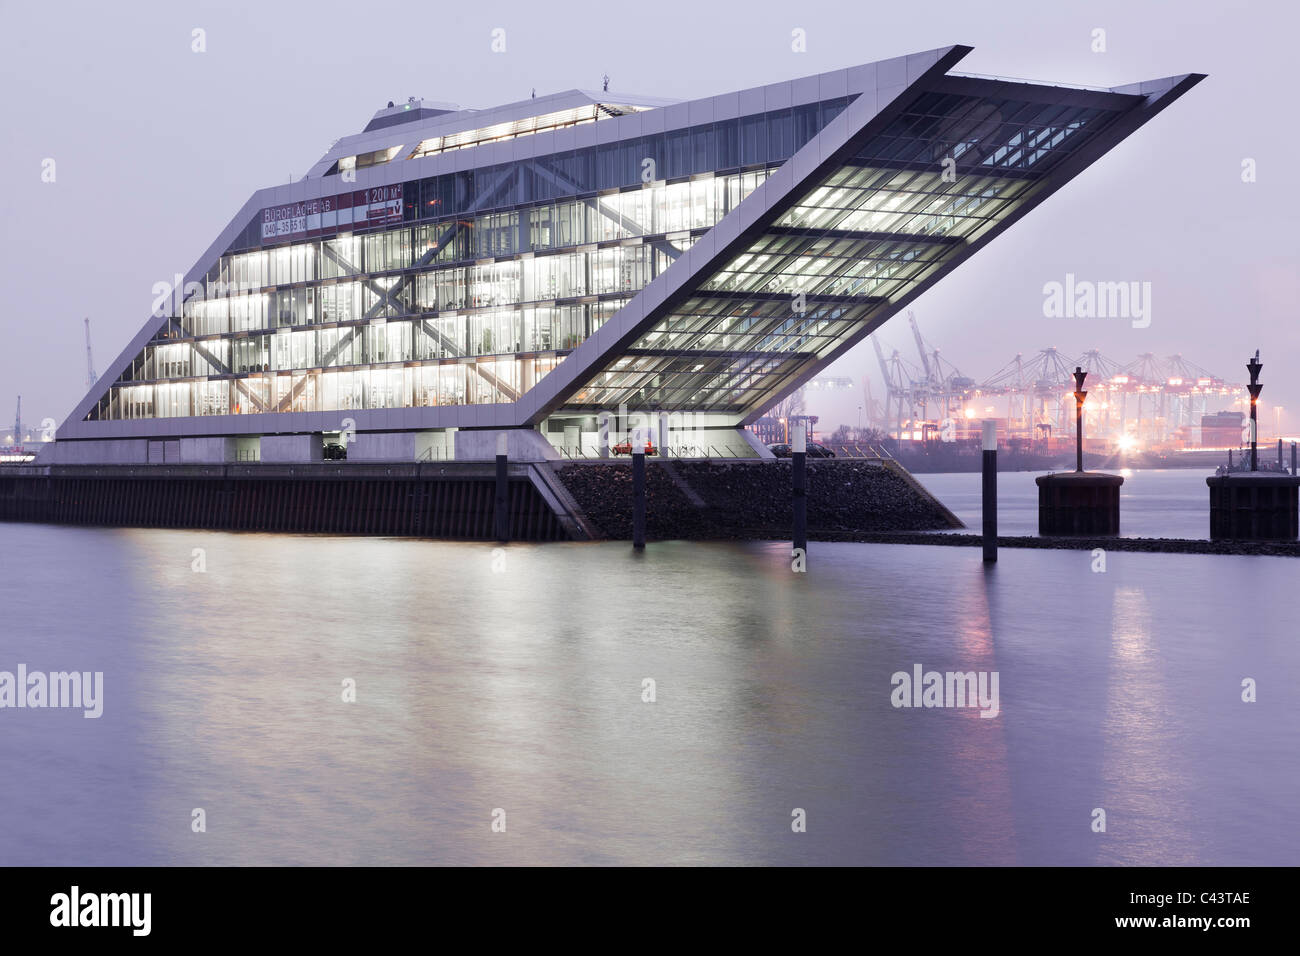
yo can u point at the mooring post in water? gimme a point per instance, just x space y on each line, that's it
990 444
502 512
799 479
638 489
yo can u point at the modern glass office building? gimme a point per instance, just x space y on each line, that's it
534 268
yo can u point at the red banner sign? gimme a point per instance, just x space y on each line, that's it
377 206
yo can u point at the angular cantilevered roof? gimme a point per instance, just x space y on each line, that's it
920 171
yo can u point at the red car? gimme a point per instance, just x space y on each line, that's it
625 448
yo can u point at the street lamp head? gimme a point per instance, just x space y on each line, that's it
1253 366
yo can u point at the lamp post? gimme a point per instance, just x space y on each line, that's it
1078 502
1255 505
1079 396
1254 367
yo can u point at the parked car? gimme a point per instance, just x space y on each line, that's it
815 450
333 451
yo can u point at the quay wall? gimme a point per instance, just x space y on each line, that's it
436 500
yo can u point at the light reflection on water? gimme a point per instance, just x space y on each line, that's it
1144 771
522 690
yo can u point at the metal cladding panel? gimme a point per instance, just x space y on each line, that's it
700 112
778 97
727 106
832 85
677 116
751 101
806 89
605 133
892 72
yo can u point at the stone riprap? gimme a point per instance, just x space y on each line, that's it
749 500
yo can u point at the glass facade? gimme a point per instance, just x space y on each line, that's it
493 276
474 285
444 313
869 233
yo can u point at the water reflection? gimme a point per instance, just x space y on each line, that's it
981 773
484 685
1142 775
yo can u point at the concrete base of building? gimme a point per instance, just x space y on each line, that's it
119 451
437 445
752 440
283 449
522 444
465 444
1078 502
1254 506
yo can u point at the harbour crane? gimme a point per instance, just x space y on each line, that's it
893 389
91 377
943 382
902 386
920 347
876 416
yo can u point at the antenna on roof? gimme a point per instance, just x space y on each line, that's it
534 92
605 80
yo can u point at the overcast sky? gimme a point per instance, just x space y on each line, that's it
157 147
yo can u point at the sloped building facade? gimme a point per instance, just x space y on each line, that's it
560 268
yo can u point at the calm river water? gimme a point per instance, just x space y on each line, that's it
1160 503
514 683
